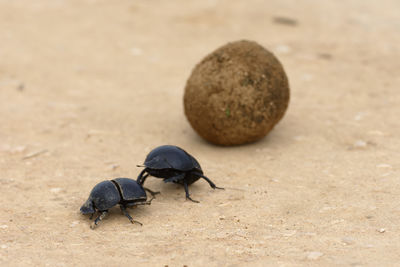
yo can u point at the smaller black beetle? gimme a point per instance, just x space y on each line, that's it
105 195
173 164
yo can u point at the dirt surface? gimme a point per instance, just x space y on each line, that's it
88 88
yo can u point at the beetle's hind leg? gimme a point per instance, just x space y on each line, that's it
187 193
145 202
99 218
152 193
213 186
126 213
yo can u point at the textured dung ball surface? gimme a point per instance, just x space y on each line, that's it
236 94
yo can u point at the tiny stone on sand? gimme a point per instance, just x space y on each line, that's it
282 49
359 116
314 255
113 167
347 240
360 144
384 166
74 223
55 190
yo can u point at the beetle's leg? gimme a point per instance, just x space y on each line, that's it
213 186
126 213
187 193
145 202
152 193
142 177
91 216
99 218
141 182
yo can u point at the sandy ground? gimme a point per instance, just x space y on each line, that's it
88 88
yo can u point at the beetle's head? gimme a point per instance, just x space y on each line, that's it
88 207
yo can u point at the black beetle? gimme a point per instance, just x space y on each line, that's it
173 164
105 195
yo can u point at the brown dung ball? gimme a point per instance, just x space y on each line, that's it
236 94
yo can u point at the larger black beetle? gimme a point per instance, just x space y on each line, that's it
105 195
173 164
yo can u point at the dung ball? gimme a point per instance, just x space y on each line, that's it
236 94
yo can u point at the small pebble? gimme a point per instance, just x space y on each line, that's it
326 56
4 226
382 230
359 116
4 246
285 21
74 223
384 166
360 144
113 167
314 255
55 190
282 49
347 240
34 154
21 87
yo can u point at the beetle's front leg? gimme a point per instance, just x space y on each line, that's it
99 218
187 192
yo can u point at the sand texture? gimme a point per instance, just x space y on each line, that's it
88 88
